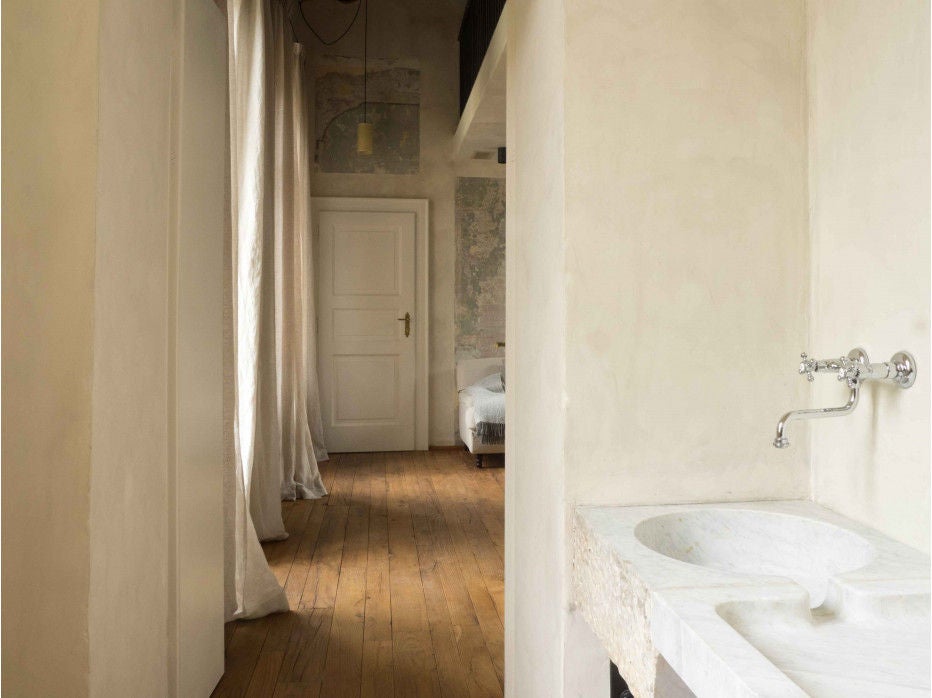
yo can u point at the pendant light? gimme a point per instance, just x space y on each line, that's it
364 128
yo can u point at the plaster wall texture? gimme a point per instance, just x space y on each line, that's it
200 207
480 267
129 481
749 176
686 249
535 588
423 32
88 301
50 66
480 168
658 229
870 242
393 94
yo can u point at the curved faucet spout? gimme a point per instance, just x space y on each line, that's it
782 442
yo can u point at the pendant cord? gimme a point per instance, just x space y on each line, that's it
365 57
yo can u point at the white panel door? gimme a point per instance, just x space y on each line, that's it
367 347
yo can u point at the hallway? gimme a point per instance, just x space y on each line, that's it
395 581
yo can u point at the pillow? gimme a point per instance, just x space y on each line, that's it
491 382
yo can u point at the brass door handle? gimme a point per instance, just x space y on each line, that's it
407 321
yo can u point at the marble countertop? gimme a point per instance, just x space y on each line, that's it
774 599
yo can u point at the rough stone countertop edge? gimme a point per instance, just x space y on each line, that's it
635 620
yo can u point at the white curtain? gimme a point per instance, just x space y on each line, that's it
278 434
296 347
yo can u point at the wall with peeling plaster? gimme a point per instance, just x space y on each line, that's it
392 106
480 267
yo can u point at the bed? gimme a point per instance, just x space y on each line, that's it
469 372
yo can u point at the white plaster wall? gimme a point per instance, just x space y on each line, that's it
692 276
479 168
535 586
587 674
156 554
129 593
425 30
686 248
657 278
200 155
88 281
869 194
49 174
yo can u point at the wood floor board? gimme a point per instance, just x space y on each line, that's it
451 671
265 675
479 564
378 677
323 576
395 581
415 671
468 602
304 554
328 469
481 678
280 554
341 486
242 655
306 652
343 669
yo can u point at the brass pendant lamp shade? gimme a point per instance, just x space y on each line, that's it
364 138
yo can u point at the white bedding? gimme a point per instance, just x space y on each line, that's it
468 371
488 408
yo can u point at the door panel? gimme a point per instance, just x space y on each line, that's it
354 401
367 363
357 324
366 262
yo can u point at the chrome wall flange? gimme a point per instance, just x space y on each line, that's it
905 365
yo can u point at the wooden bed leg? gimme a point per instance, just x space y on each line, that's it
478 460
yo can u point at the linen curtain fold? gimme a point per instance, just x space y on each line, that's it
278 432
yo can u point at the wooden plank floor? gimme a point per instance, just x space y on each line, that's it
395 582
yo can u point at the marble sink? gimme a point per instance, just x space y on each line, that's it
774 599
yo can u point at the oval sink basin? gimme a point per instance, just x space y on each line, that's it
760 543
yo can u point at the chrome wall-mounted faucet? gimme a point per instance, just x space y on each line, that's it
854 369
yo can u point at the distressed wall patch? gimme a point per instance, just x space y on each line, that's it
393 108
480 267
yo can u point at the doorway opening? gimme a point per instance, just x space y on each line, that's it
394 580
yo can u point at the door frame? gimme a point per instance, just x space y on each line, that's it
420 209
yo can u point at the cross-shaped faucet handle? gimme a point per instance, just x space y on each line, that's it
807 366
850 371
